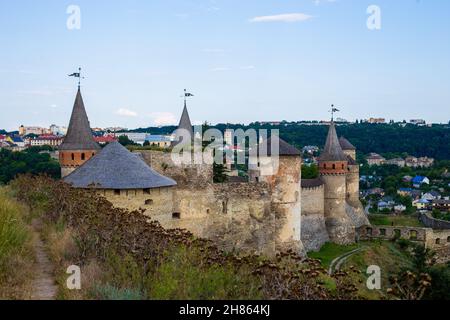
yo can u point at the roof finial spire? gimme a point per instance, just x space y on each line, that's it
77 75
186 95
333 110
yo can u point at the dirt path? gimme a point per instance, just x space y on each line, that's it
337 263
44 286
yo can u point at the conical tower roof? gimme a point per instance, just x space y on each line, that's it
345 144
185 124
79 133
114 167
332 150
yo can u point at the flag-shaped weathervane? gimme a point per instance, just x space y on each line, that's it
333 110
77 75
187 95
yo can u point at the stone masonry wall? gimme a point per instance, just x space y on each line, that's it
236 216
314 233
430 222
157 201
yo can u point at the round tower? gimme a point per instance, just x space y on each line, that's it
356 209
352 180
333 168
78 145
284 180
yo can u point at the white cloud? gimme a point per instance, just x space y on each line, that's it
163 118
287 17
126 113
247 67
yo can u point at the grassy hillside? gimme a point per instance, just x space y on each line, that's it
16 257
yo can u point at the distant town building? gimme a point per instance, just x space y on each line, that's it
102 140
441 204
374 159
399 162
419 180
23 130
159 141
46 140
310 149
418 122
58 130
421 204
376 120
423 162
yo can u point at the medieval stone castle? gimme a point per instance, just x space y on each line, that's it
269 213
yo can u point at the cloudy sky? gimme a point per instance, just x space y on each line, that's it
243 60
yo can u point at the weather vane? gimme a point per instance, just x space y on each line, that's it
77 75
186 95
333 111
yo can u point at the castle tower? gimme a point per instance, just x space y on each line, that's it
352 180
356 210
333 167
284 179
79 145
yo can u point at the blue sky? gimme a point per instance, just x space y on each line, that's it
138 56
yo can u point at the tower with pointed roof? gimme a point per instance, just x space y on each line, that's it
184 133
78 145
333 167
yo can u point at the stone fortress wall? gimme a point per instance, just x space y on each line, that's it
241 216
314 232
158 201
430 222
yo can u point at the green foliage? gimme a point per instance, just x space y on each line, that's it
28 161
310 172
219 173
125 141
440 284
390 139
178 279
110 292
13 231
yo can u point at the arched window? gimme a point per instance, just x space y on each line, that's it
73 157
83 156
448 239
438 241
342 166
325 166
334 166
149 202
